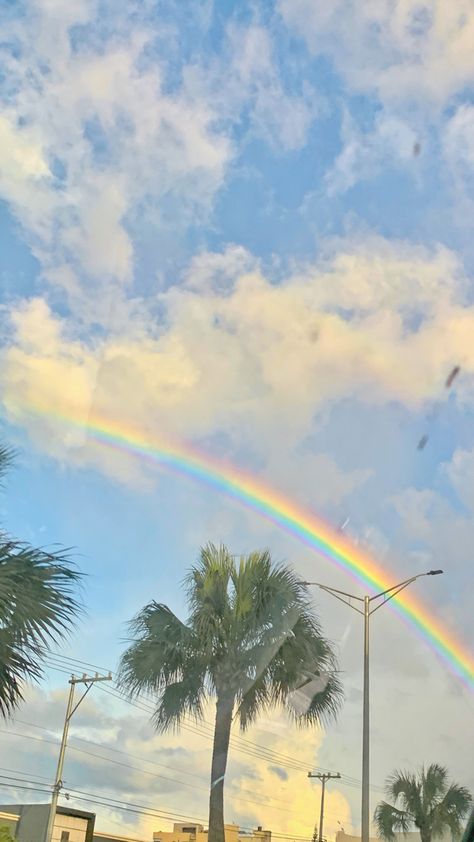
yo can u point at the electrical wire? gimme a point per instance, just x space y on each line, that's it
126 806
179 783
237 743
60 663
203 727
151 811
19 772
237 798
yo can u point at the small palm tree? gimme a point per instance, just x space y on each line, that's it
37 608
426 800
250 640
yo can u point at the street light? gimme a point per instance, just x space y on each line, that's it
384 596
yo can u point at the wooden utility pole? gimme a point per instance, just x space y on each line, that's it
323 777
88 680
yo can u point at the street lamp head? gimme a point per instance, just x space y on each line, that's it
434 572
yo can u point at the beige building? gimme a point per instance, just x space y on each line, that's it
190 832
28 822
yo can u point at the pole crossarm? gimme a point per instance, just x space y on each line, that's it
323 777
339 595
89 681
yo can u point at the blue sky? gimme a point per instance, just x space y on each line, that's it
247 226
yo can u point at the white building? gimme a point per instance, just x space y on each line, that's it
28 823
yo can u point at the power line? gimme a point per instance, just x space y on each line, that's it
111 748
346 780
134 768
237 743
30 788
152 812
207 728
141 809
20 772
235 797
22 780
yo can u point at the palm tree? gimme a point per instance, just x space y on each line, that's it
37 608
426 800
251 639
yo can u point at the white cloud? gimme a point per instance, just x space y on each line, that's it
107 135
233 354
280 117
162 770
459 137
94 139
365 155
22 157
442 534
407 50
460 471
457 141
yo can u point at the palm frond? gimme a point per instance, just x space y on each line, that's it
251 634
181 698
404 787
7 455
255 701
325 704
207 587
162 649
450 811
428 803
390 820
433 784
291 646
38 608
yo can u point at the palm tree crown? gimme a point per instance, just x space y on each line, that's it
37 608
426 800
250 640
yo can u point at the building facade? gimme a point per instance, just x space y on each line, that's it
190 832
28 823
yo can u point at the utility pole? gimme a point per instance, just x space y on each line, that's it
368 606
323 777
70 710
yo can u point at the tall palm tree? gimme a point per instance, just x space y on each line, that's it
426 800
250 641
37 609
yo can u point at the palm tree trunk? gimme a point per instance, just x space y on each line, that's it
224 710
425 835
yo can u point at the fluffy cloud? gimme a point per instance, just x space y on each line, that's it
408 50
457 143
89 133
461 475
228 353
159 770
364 155
279 116
102 132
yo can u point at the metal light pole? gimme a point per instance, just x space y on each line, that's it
367 611
70 710
323 777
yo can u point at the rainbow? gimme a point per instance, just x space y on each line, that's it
312 531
